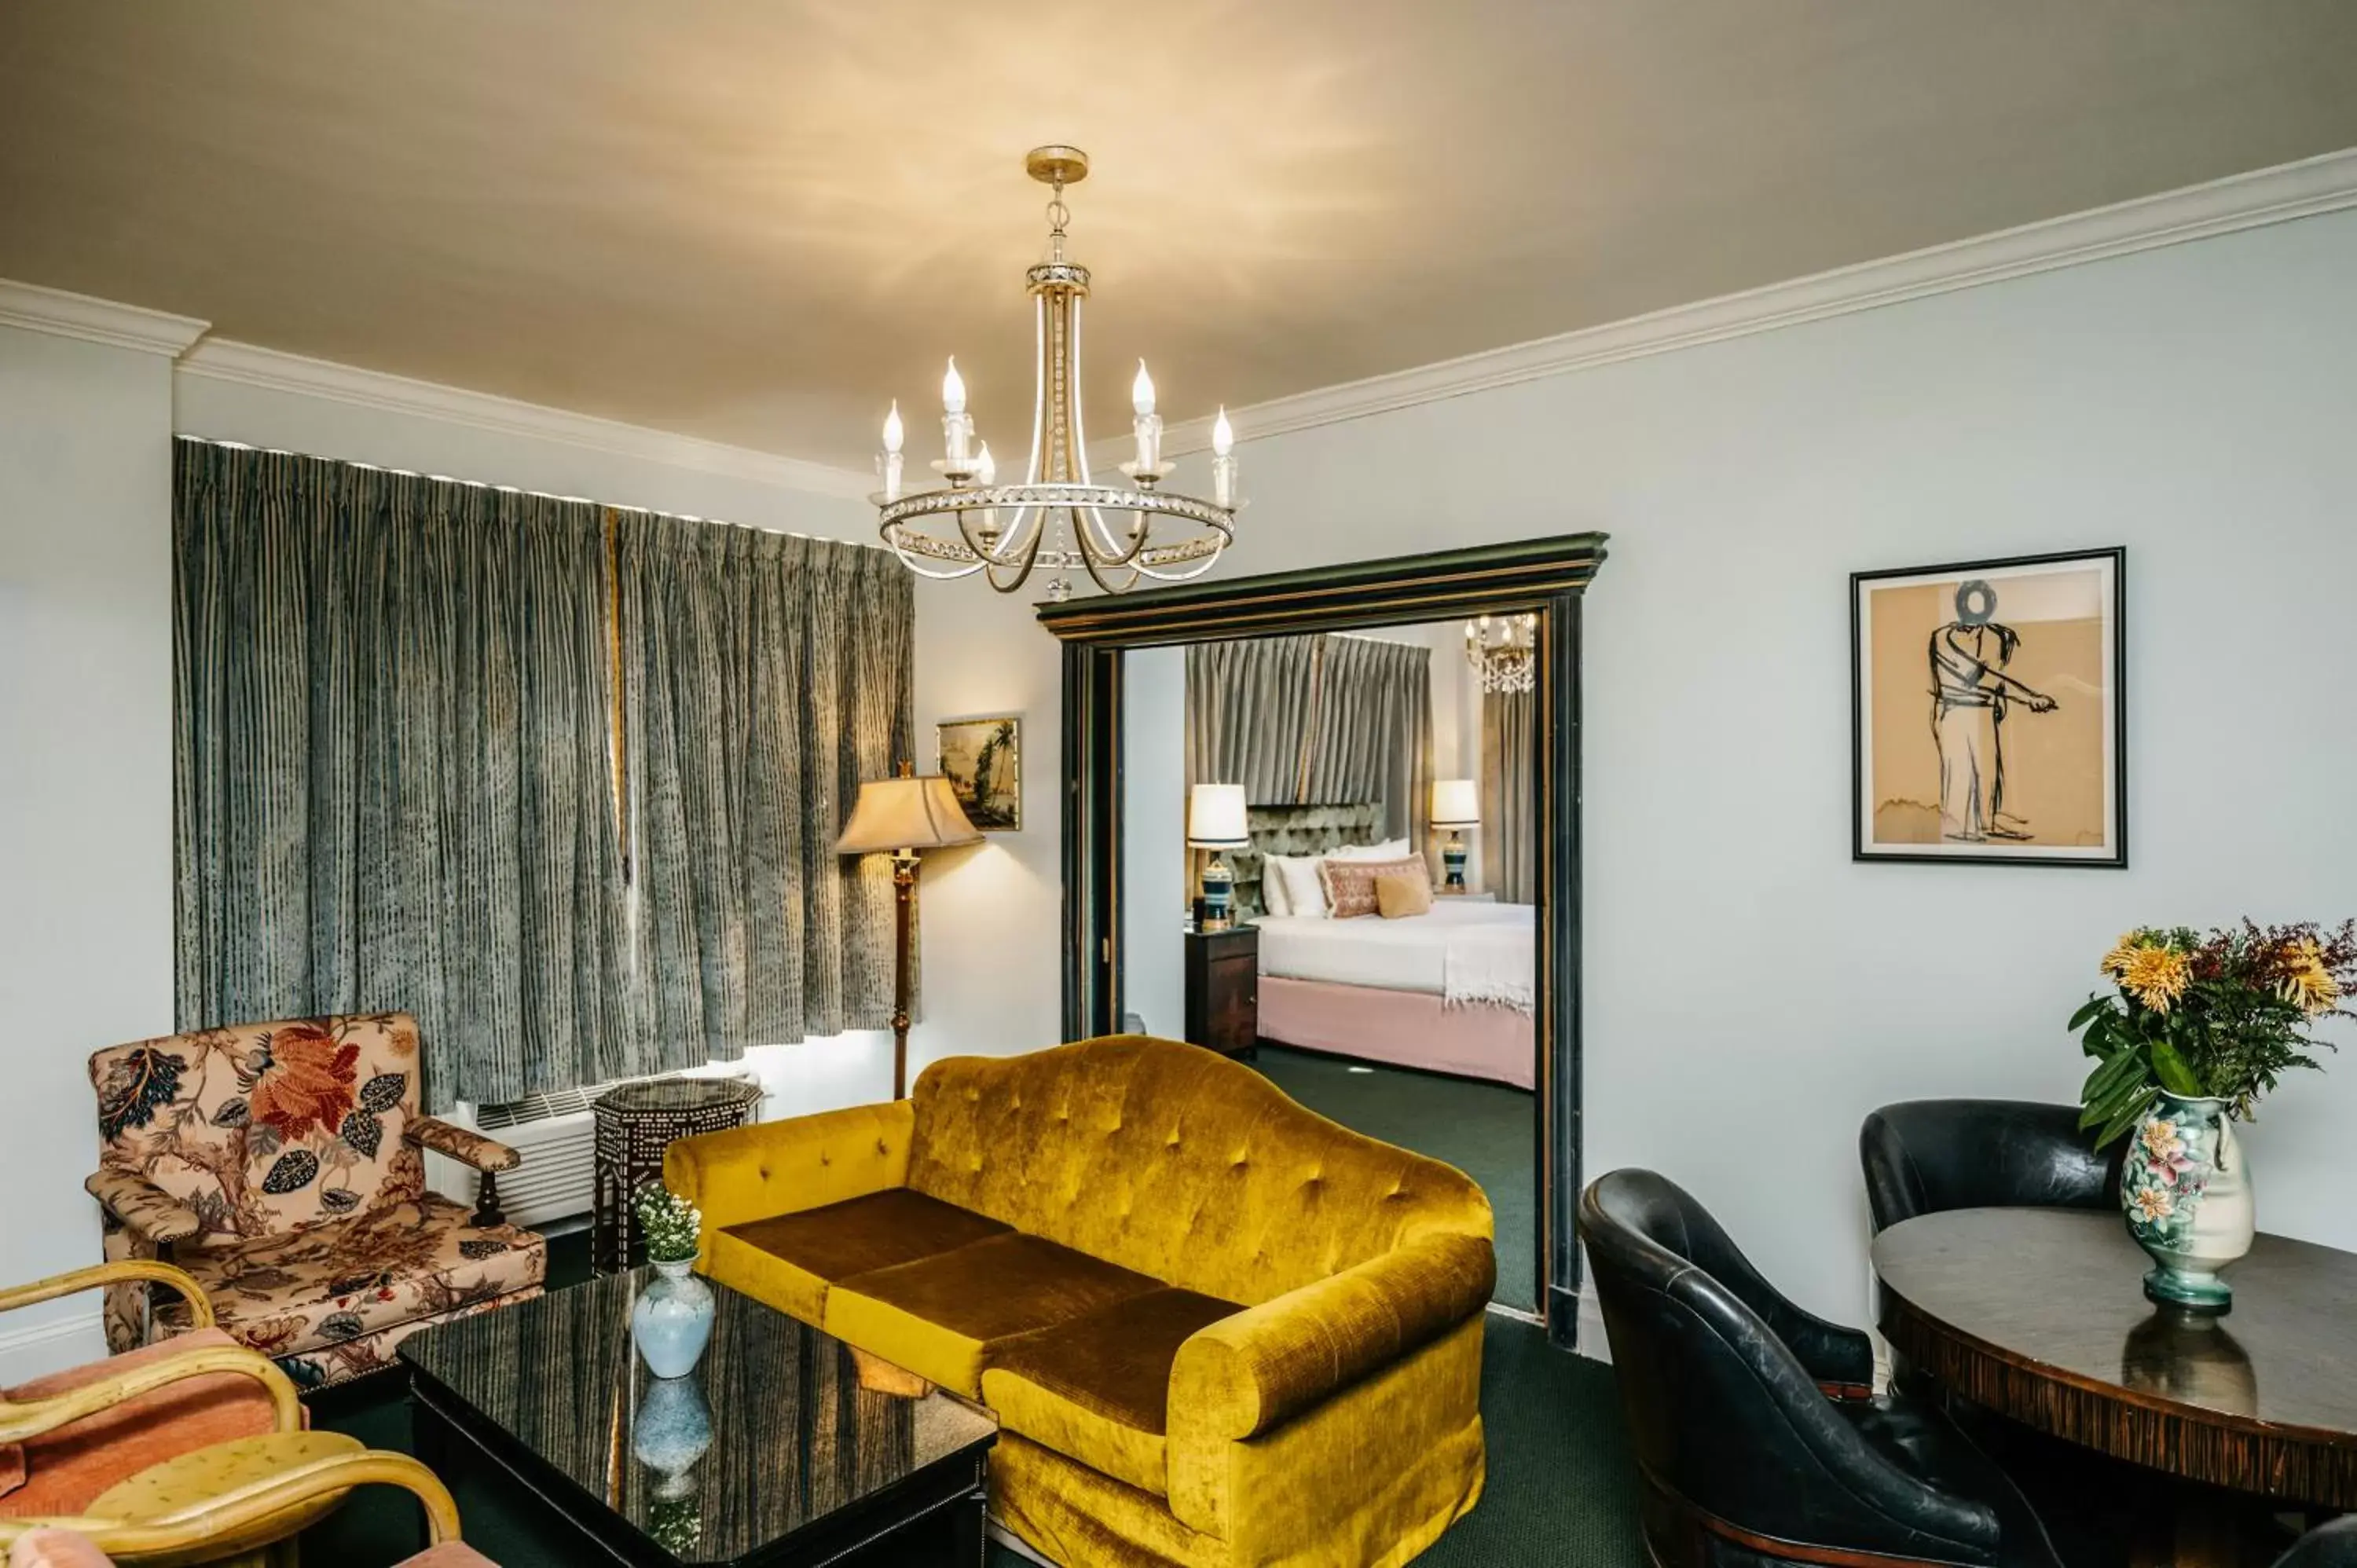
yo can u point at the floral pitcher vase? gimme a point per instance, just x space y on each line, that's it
2187 1194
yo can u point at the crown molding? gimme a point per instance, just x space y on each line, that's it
63 315
2324 184
222 359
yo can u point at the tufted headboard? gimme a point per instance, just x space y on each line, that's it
1297 830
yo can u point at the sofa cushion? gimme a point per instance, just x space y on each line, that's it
63 1470
300 1290
791 1259
941 1316
1097 1389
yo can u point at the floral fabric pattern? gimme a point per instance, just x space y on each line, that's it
2166 1169
298 1292
263 1128
463 1144
279 1165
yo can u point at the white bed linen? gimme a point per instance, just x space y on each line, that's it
1465 953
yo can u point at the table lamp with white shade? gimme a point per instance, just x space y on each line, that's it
898 817
1215 820
1455 805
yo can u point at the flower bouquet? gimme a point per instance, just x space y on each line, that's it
2195 1029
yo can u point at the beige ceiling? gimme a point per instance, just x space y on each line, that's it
755 220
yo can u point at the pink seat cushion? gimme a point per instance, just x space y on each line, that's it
65 1469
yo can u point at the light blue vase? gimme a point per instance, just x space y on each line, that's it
672 1319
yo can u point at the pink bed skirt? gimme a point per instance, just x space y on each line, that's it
1403 1028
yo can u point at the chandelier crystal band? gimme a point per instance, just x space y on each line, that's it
1058 519
1504 653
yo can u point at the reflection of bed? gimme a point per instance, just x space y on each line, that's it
1449 991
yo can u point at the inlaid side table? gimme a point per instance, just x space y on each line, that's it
635 1124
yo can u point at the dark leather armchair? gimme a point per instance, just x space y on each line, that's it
1923 1157
1745 1459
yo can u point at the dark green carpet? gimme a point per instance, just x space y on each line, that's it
1560 1491
1483 1128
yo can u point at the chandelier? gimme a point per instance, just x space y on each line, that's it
1504 653
1059 517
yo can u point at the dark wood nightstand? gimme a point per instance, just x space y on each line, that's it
1224 990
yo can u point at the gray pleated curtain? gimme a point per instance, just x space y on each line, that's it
765 676
394 742
1508 829
1315 720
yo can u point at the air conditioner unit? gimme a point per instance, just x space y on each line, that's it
553 1134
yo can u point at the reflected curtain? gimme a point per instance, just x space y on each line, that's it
391 784
1372 735
765 676
1509 832
1249 705
1316 719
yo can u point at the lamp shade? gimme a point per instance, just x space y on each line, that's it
905 813
1215 817
1456 803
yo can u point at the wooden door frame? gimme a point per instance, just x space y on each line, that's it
1543 578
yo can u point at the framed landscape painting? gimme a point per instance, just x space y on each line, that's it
1986 716
983 760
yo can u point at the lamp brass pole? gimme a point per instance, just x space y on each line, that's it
899 816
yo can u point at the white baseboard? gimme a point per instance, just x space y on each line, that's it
50 1345
1592 1342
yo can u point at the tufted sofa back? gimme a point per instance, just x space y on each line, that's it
1175 1162
267 1128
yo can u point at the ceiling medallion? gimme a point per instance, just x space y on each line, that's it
1060 518
1504 653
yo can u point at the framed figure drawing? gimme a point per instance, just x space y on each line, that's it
1986 718
983 760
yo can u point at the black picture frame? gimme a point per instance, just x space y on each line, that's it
2113 558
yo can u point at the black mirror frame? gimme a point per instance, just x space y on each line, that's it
1545 577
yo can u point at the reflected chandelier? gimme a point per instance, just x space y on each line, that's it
1058 519
1504 653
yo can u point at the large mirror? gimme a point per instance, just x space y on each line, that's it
1335 835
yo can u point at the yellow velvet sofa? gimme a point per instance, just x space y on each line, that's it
1218 1330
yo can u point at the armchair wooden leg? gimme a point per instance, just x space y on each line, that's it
488 1211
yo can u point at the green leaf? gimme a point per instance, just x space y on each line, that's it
2119 1070
2097 1003
2175 1074
2134 1109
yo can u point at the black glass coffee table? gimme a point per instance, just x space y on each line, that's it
771 1452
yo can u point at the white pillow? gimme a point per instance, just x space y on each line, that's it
1305 895
1390 848
1272 900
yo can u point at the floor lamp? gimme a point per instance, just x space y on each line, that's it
898 817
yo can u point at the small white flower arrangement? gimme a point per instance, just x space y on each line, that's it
672 1226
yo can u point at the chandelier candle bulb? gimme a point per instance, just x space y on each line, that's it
1148 425
889 461
1223 461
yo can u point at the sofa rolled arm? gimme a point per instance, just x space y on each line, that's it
767 1168
463 1144
143 1206
1246 1373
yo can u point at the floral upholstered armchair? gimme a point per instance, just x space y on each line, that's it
280 1164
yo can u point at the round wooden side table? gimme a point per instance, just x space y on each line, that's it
2039 1315
635 1122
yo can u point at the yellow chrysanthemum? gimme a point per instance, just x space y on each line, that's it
2115 963
2157 976
2308 985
